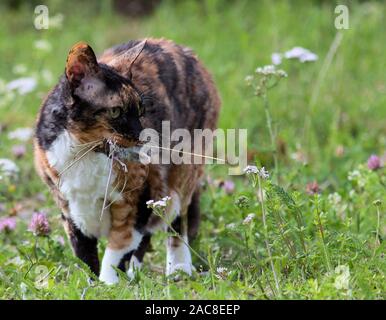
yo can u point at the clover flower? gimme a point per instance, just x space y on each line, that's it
19 151
228 186
312 188
39 224
7 224
222 272
374 162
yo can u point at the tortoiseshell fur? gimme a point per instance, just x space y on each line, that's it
169 83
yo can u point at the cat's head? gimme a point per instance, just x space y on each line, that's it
105 105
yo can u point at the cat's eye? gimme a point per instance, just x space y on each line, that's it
115 112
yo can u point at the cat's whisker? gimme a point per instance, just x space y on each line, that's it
87 143
139 186
188 153
98 143
107 188
77 160
120 194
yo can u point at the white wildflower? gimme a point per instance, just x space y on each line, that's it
342 280
263 173
150 202
308 57
47 76
8 167
158 204
248 219
56 21
357 176
248 79
251 169
354 175
22 134
222 272
19 69
22 85
43 45
231 226
334 199
222 269
276 58
282 73
295 52
300 53
266 70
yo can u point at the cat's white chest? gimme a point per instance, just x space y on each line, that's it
84 184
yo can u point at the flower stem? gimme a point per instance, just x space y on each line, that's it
321 231
266 237
273 138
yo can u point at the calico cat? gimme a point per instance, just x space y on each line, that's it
130 87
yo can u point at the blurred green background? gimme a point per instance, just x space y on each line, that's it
232 38
341 96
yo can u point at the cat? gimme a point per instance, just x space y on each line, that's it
130 87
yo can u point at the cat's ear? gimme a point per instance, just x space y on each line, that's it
125 61
81 62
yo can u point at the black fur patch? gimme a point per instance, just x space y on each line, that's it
54 114
85 248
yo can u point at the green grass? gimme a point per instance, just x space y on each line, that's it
347 111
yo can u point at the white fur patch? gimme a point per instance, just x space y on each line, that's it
112 258
178 258
84 184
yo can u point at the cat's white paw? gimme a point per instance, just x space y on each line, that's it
178 258
133 267
185 267
110 260
109 277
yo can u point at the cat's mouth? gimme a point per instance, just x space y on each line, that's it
122 149
122 141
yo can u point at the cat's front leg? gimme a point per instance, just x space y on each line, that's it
123 240
84 247
178 255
